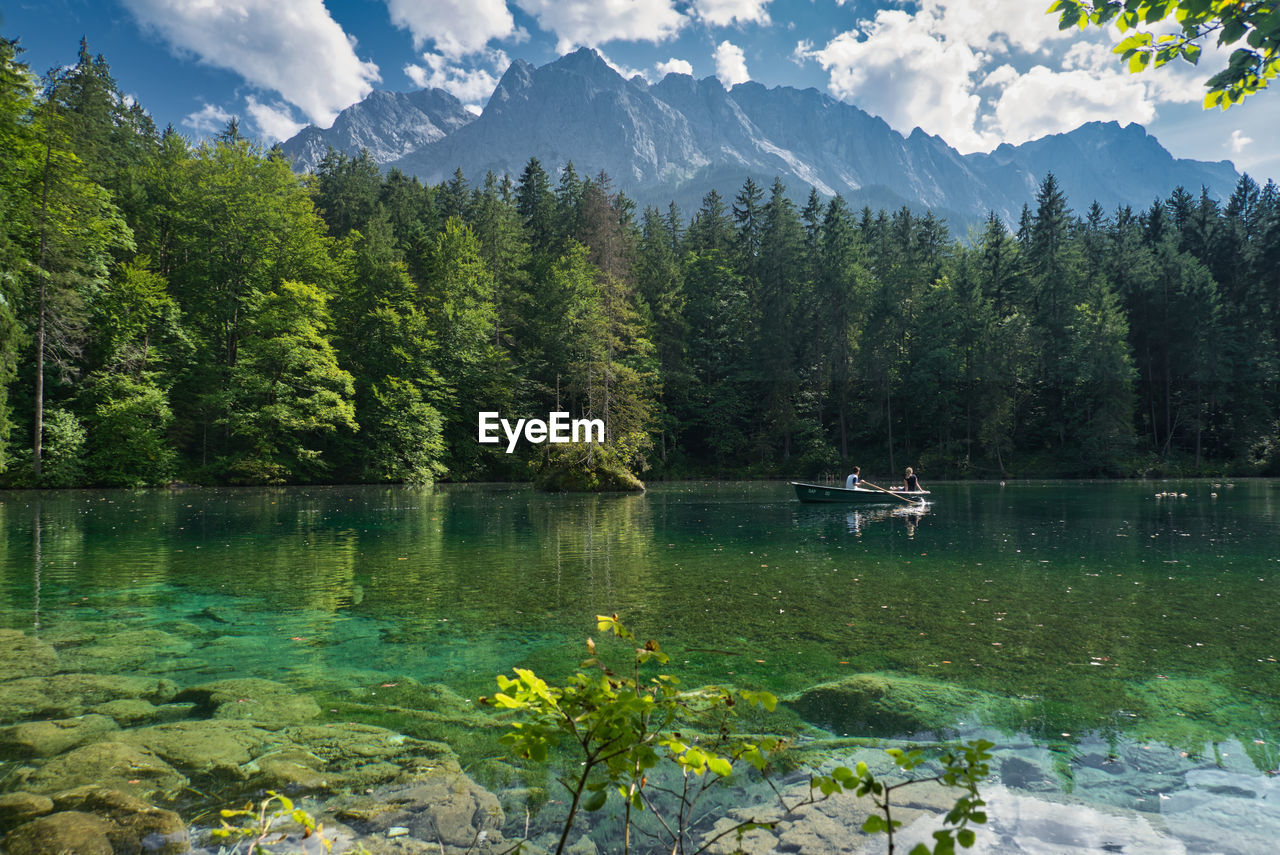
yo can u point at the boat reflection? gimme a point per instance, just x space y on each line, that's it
855 520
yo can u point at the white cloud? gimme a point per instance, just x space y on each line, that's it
980 72
589 23
275 121
731 64
899 69
675 66
722 13
1239 141
293 47
465 84
1043 101
625 70
995 26
457 27
208 120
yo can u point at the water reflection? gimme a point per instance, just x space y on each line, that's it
911 518
1117 642
1090 598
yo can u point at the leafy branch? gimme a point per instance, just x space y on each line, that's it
1249 69
621 727
262 819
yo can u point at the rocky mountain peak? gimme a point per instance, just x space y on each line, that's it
681 137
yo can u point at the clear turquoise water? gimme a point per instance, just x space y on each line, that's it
1108 609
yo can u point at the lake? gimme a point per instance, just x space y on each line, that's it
1118 645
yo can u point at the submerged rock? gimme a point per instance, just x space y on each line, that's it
21 655
21 807
115 765
69 695
1187 712
444 808
350 743
289 772
216 749
49 738
266 703
886 705
129 712
131 650
68 831
136 825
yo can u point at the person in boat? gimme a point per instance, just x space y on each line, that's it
911 483
851 482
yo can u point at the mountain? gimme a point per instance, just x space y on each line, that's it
676 139
388 124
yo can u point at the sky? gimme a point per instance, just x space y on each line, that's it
975 72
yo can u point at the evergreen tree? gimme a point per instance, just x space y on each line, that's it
20 144
288 395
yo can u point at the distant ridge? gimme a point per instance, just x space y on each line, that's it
678 138
389 124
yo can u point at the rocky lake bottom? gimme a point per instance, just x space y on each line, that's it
116 740
145 687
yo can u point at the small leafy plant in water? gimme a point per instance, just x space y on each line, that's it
620 727
260 832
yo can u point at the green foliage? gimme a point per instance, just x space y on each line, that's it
1255 22
590 469
621 726
139 273
963 767
622 729
406 439
19 163
63 454
261 823
288 394
126 422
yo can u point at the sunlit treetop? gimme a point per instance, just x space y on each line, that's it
1250 67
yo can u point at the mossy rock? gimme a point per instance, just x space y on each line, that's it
25 656
265 703
132 650
49 738
69 695
344 745
1187 712
444 806
420 702
132 770
885 705
21 807
604 474
135 825
66 831
130 712
214 749
291 771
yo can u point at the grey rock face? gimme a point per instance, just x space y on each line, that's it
679 138
388 124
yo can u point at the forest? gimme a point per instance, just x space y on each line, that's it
197 312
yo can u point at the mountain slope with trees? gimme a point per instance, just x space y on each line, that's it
170 310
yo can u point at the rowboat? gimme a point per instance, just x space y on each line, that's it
856 496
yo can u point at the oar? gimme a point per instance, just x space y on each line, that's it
911 502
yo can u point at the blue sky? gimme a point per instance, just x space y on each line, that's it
975 72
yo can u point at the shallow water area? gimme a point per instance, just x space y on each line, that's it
1115 640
